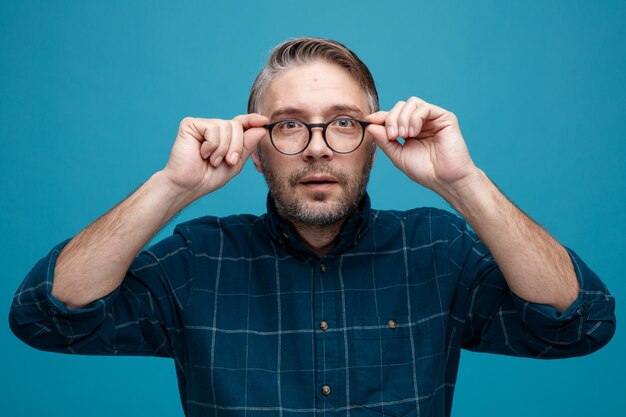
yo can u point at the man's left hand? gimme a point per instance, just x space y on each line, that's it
434 153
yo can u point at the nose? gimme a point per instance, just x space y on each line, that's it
317 149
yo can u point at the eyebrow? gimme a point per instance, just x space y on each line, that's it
294 111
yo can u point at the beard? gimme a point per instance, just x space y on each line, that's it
319 212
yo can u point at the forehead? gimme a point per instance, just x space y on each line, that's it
314 89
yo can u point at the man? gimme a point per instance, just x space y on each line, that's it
322 305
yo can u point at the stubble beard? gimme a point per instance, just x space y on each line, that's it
316 213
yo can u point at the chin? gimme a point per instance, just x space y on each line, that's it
320 197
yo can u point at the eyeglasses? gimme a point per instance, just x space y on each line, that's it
292 136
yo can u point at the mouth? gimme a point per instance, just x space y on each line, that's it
318 182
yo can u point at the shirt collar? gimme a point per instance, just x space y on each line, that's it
351 232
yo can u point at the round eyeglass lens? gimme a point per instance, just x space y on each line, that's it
290 136
344 135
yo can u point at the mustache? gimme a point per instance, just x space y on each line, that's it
317 168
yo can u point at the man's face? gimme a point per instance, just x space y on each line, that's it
316 187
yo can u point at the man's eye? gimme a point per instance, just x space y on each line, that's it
289 125
344 123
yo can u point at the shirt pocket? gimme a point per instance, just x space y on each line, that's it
394 364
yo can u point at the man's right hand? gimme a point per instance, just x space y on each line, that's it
207 153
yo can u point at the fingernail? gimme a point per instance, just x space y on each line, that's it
234 158
217 161
401 131
411 132
391 132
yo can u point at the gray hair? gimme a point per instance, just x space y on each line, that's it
305 50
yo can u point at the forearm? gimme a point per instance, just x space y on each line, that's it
96 260
536 267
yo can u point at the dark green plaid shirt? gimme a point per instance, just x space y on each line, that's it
258 325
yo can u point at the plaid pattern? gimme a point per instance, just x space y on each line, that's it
238 303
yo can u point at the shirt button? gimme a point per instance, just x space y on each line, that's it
322 268
392 324
325 390
324 325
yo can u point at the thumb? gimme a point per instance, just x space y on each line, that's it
391 147
253 131
251 138
378 132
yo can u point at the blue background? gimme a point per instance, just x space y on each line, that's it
91 94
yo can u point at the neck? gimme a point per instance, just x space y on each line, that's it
320 239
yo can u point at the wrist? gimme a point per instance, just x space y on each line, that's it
472 195
173 197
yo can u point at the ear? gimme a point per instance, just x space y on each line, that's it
373 153
257 160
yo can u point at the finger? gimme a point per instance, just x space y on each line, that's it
210 139
378 132
251 120
391 147
195 128
251 138
418 118
426 118
404 118
224 143
377 118
391 122
236 143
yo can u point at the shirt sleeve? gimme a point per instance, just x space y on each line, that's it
140 317
498 321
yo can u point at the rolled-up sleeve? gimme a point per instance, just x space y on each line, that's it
589 319
140 317
498 321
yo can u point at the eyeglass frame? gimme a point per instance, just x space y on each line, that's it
324 126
